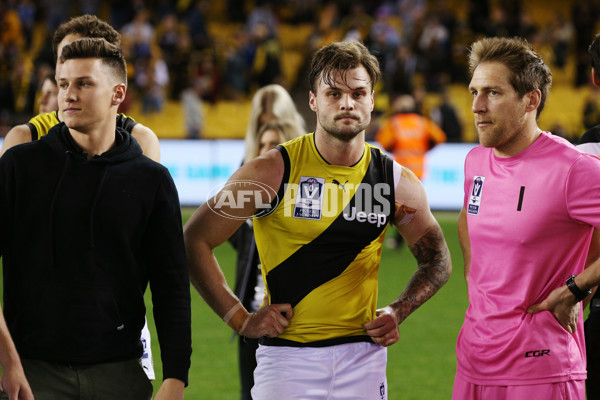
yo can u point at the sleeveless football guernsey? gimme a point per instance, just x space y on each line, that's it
320 246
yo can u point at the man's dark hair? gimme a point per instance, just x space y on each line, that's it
112 56
86 26
341 57
594 52
50 76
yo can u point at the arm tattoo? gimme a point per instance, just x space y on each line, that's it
433 271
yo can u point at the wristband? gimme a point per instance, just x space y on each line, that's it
236 317
577 292
245 324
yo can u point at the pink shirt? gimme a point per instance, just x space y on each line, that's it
530 220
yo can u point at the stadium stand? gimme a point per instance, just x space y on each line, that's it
226 116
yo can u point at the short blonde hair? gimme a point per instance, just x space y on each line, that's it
527 69
272 99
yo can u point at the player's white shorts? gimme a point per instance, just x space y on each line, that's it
347 371
147 361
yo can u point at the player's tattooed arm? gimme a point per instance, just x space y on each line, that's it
433 271
434 267
424 237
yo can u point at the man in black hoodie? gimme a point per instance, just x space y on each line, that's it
81 241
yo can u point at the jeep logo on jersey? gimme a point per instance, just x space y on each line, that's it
361 216
370 205
243 199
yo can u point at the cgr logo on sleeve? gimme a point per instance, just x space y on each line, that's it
475 196
309 201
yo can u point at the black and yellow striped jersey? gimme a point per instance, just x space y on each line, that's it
320 247
41 124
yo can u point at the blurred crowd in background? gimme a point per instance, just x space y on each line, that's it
174 55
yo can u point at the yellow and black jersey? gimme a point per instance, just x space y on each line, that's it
320 246
41 124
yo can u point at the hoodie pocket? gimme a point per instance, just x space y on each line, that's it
73 319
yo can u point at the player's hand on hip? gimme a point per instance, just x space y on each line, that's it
270 320
384 328
562 304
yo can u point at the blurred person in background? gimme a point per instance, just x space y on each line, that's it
48 100
195 18
591 109
266 66
590 140
446 117
139 34
561 33
584 16
152 79
271 102
408 136
193 109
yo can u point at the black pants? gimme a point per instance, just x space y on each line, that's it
247 362
592 347
119 380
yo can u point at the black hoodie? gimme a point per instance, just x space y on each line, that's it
80 240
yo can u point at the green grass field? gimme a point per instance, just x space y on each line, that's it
420 366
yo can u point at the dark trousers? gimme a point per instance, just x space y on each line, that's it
120 380
592 347
247 362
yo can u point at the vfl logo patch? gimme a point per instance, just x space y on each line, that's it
475 197
309 201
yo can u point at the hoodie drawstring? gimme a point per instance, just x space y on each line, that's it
53 204
92 211
95 202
